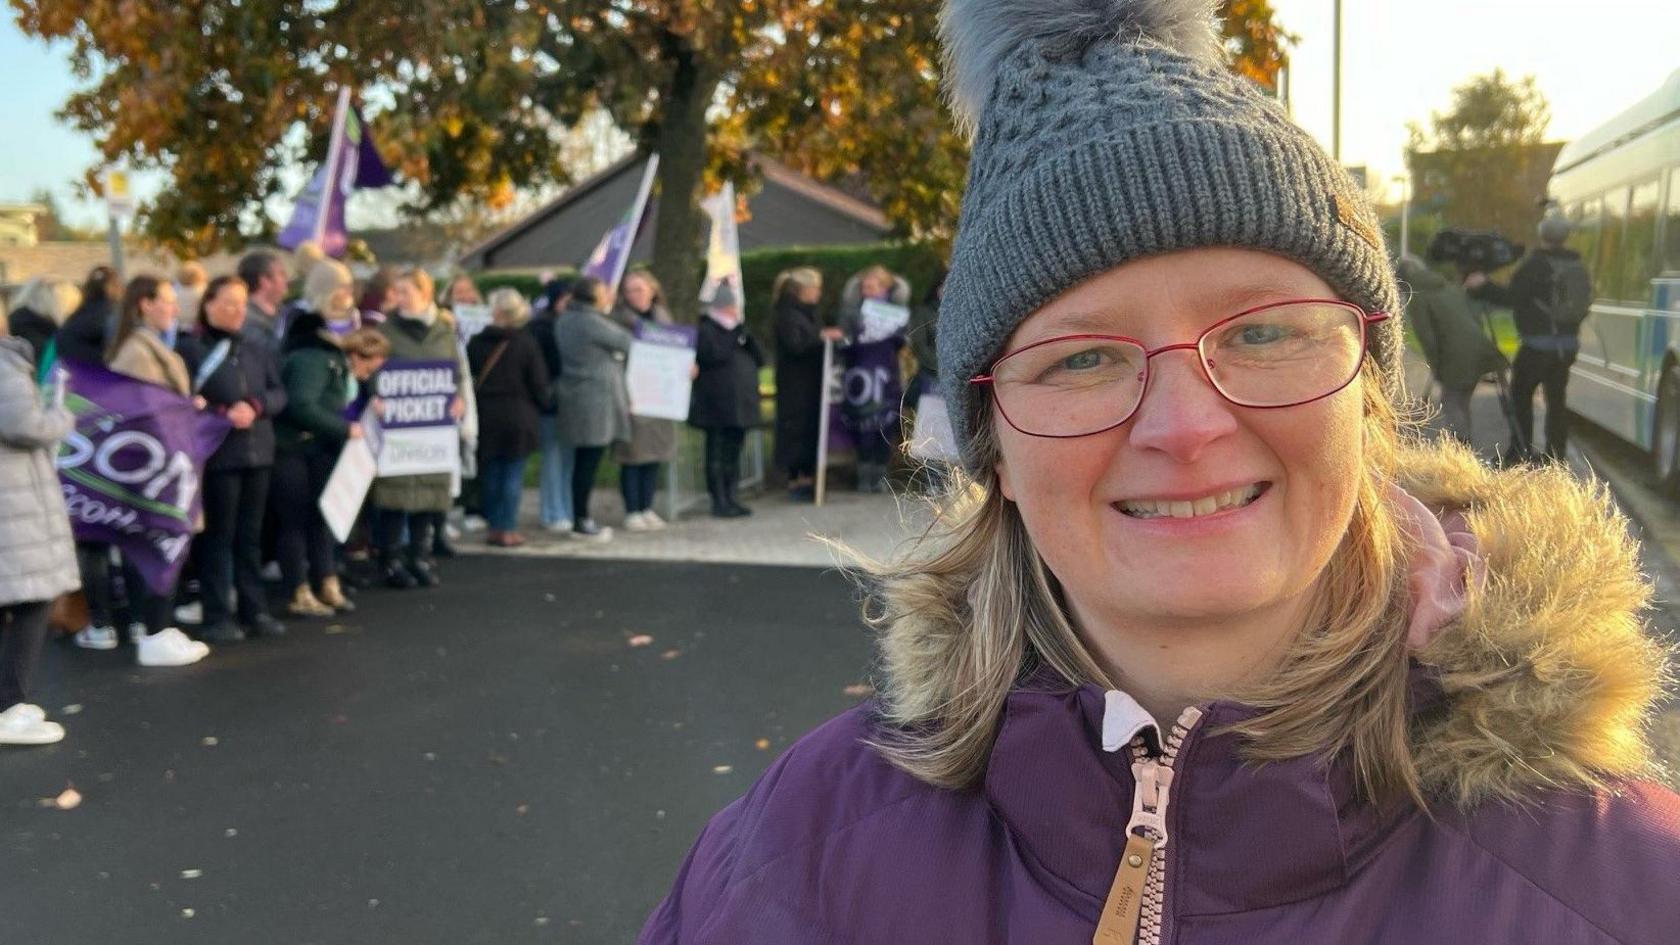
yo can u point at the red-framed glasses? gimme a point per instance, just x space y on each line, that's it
1283 354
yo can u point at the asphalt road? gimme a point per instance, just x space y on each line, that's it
493 761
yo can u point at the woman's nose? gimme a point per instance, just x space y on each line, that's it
1180 413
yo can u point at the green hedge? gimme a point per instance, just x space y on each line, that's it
914 261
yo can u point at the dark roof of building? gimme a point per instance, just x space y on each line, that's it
790 209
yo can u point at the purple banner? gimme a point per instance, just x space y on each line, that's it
872 392
415 393
130 471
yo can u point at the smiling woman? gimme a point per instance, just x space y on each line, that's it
1208 648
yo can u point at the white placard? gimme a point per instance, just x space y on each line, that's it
347 488
932 439
470 320
881 320
416 451
658 378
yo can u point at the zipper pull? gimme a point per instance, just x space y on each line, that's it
1149 800
1119 922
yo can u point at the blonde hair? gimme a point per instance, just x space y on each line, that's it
369 343
191 275
508 308
963 623
52 298
799 277
647 276
325 279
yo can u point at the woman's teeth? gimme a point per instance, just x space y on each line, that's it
1207 505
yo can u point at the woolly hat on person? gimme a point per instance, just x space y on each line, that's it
1109 130
1554 228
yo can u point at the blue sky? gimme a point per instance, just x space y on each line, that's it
1401 60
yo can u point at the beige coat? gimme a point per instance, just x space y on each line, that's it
144 357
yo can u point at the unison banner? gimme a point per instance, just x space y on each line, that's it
130 471
415 433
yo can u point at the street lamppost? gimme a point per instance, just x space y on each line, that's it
1336 87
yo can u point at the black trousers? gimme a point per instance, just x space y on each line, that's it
230 550
638 481
155 611
93 560
305 544
583 478
723 461
23 631
1549 371
388 528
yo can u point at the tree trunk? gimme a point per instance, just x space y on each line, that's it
678 250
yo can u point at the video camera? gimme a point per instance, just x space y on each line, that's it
1473 250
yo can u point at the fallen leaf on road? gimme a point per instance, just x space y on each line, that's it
762 744
641 639
522 809
191 874
860 690
497 758
542 920
75 709
230 833
430 756
723 769
669 655
70 799
334 629
210 741
188 913
549 597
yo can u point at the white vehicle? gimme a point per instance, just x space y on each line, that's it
1620 186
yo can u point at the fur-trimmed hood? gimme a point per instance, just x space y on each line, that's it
1551 675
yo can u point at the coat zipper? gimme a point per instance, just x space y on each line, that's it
1133 912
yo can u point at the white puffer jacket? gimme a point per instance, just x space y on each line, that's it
37 555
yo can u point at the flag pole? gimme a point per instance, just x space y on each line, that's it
822 424
335 151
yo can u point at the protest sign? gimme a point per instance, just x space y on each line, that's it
932 440
347 487
130 470
416 433
723 247
470 320
661 359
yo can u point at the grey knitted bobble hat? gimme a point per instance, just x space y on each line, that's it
1109 130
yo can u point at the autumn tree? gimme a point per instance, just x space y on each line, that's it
466 96
1484 162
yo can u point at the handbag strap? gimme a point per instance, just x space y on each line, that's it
490 363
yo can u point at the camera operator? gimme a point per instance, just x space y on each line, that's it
1548 295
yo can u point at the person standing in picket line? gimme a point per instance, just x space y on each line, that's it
416 503
266 284
39 309
800 338
593 402
874 382
83 338
725 403
37 554
238 376
512 386
140 349
554 469
320 371
652 440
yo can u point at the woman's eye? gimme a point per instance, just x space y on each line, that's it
1261 334
1083 361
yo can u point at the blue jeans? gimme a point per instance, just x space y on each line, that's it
637 482
556 478
502 481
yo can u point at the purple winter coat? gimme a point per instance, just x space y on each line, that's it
1530 694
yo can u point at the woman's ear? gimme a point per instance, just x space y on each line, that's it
1005 485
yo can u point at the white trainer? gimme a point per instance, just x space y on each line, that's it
475 523
636 522
97 638
19 725
192 613
170 647
564 525
653 521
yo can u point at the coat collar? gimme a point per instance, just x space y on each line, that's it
1259 835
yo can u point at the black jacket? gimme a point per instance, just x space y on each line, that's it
1529 289
799 380
510 392
541 327
33 327
726 392
85 332
250 374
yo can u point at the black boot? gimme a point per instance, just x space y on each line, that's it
732 489
420 536
394 573
715 488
